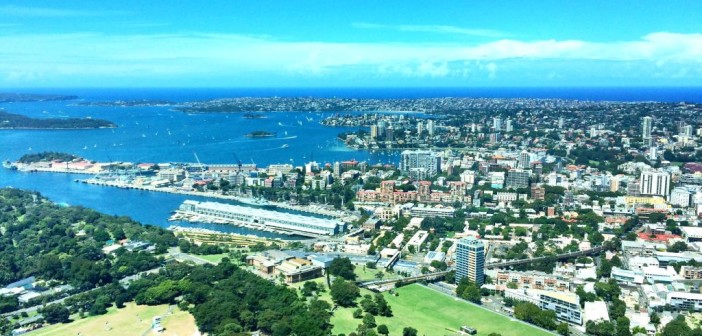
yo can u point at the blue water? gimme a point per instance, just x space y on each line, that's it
158 134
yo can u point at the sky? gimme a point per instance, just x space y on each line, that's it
339 43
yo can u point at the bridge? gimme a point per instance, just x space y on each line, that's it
429 276
569 255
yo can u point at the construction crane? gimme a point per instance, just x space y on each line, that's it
202 168
238 162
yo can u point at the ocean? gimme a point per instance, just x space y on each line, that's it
158 134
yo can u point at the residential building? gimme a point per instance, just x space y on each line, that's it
518 178
470 260
420 163
656 183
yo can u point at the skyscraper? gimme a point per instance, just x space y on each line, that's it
430 127
374 132
470 260
646 129
497 124
420 128
508 125
561 122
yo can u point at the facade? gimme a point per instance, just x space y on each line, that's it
517 178
420 162
446 212
655 183
470 260
680 197
566 306
685 300
538 192
532 280
263 219
646 130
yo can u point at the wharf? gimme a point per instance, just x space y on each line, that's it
192 217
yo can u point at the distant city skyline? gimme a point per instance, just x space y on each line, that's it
349 44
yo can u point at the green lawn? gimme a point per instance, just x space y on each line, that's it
130 320
433 313
369 273
215 258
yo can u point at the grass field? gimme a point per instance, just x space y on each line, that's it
130 320
433 313
215 258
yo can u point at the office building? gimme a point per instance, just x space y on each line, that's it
420 162
470 260
420 128
654 183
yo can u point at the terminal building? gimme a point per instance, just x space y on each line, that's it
264 219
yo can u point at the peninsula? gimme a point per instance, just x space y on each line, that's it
17 121
27 97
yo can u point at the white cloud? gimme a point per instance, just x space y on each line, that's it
26 58
437 29
10 10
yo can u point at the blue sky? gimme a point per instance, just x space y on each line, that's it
337 43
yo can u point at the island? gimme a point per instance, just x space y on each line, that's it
17 121
27 97
260 134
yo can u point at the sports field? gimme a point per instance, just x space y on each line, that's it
433 313
130 320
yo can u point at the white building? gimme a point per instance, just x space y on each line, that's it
655 183
418 240
263 219
685 300
680 197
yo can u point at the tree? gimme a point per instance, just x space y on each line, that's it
383 330
563 329
369 320
56 313
342 267
676 327
623 325
472 294
409 331
358 313
344 293
678 247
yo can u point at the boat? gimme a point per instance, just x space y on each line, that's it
285 146
260 134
